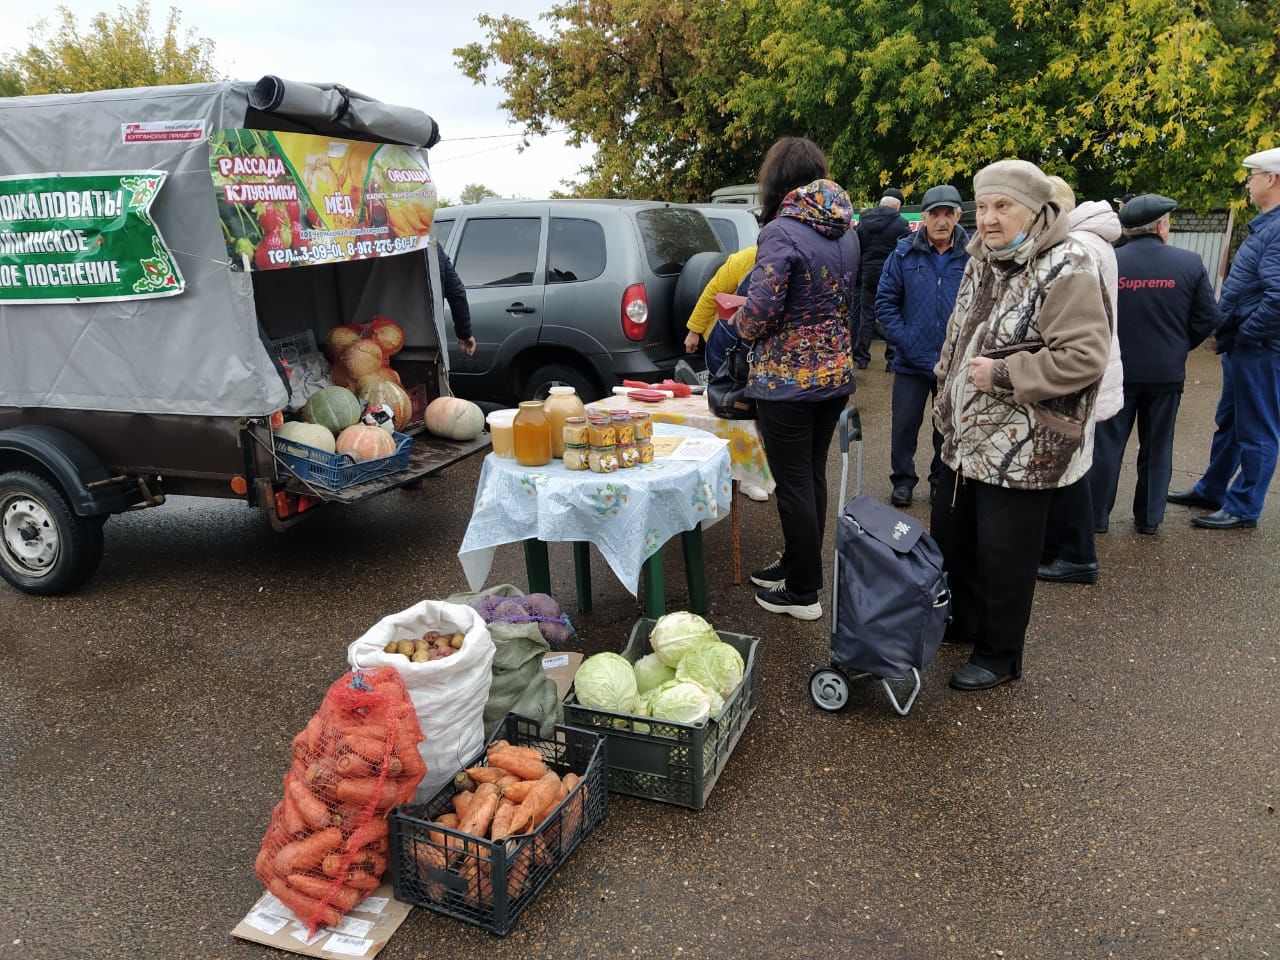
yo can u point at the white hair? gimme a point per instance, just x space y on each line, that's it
890 202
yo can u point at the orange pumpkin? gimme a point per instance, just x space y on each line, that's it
388 334
361 359
454 418
374 390
382 373
363 442
340 338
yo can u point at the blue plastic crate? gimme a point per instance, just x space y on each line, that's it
334 471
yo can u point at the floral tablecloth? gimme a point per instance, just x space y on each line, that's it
747 461
628 514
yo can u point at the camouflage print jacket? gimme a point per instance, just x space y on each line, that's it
1035 430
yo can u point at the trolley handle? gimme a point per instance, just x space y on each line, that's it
850 427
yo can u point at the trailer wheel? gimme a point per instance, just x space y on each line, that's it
45 549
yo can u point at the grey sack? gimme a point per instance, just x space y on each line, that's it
891 602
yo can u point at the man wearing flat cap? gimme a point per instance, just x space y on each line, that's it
879 230
1242 459
1164 309
917 290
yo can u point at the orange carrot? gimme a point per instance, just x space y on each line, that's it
307 909
373 832
372 749
520 764
501 825
362 790
341 897
482 809
550 808
516 792
497 745
507 781
462 803
331 866
311 807
364 882
485 774
307 853
290 817
353 765
448 820
540 794
529 753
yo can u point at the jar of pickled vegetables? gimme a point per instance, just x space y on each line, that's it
603 459
623 427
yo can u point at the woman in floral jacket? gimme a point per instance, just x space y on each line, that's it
1018 377
801 310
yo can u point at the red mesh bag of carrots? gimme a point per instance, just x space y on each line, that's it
326 847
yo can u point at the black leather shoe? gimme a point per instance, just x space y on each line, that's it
970 676
901 496
863 364
1064 571
1144 529
1189 498
1221 520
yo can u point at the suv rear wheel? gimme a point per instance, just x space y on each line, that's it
45 548
539 383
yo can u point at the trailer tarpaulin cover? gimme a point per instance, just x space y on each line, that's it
199 353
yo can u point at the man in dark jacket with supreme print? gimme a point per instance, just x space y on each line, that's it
913 302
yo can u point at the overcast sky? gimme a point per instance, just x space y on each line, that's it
399 52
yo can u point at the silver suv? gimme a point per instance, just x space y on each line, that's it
577 291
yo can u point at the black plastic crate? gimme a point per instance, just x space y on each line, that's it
491 883
662 760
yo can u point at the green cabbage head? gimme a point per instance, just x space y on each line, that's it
678 634
716 666
606 682
651 672
683 701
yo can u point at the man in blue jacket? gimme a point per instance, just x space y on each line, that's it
913 302
1164 309
1247 437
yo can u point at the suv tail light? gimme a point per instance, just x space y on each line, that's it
635 312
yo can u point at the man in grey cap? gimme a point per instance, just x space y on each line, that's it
1247 438
1164 309
917 290
879 230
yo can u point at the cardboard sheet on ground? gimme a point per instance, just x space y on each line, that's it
561 667
363 932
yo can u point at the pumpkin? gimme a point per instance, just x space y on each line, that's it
361 359
388 334
363 442
454 418
382 373
374 391
307 434
334 407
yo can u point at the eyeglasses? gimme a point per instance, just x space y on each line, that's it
1256 173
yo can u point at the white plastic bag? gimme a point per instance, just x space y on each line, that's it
449 694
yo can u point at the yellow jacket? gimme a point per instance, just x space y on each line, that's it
726 280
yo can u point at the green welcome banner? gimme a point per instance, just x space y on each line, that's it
77 237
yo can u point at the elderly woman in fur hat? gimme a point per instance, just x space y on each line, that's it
1026 345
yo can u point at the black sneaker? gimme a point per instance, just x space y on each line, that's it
771 577
799 605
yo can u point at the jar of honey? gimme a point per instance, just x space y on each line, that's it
643 423
628 455
576 432
576 456
531 432
645 449
603 459
623 426
500 433
561 404
601 432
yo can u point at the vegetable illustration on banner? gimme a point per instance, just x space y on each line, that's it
82 237
293 199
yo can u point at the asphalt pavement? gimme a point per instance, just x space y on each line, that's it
1118 801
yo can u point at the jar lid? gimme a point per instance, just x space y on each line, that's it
527 404
640 415
575 420
622 414
562 391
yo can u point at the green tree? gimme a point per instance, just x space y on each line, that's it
682 96
474 193
111 52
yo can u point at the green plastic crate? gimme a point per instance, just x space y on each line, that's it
661 760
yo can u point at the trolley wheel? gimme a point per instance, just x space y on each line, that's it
829 689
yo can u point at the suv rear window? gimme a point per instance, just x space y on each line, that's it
442 229
672 236
575 251
726 232
498 252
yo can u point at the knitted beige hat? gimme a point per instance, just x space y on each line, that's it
1018 179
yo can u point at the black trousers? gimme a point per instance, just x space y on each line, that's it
797 436
1155 409
1068 534
990 539
911 396
869 326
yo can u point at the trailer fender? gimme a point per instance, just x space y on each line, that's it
70 463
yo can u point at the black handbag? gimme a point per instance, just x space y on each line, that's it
727 387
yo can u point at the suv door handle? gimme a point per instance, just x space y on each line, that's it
519 307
